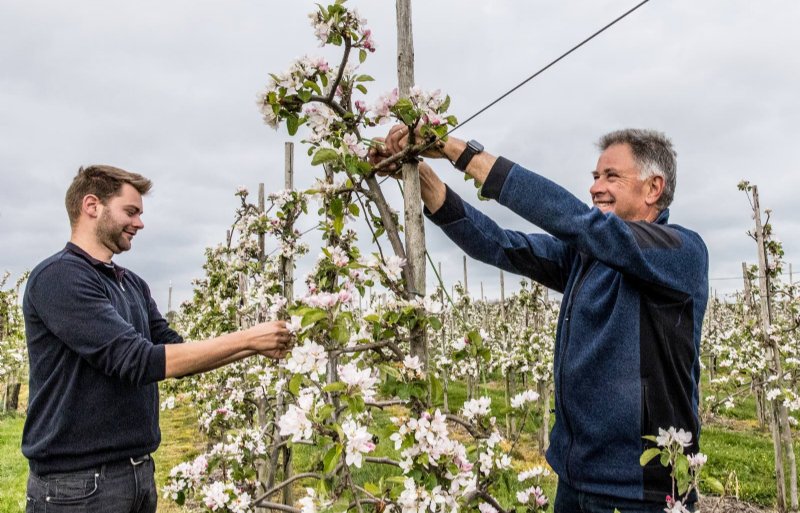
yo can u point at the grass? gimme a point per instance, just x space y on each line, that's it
13 466
740 455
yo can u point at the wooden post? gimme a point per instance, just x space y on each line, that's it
414 227
261 236
466 286
287 275
782 437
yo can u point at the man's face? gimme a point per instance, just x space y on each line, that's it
617 185
120 219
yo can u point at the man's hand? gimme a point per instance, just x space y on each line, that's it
378 152
272 339
397 140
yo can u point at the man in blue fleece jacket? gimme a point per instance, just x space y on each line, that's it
98 346
635 292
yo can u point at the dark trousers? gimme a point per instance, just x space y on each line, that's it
121 487
570 500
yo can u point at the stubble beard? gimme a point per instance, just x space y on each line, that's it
110 234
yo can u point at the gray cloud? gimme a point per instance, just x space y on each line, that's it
168 90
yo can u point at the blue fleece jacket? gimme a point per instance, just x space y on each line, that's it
628 337
95 346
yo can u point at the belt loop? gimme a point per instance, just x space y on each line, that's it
141 460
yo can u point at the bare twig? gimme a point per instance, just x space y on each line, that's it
383 461
277 506
469 427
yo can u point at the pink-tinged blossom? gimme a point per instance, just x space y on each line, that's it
383 107
368 43
697 460
413 366
536 472
361 106
295 324
308 504
320 118
484 507
295 422
680 437
476 408
362 379
523 398
215 496
354 146
338 256
394 267
310 358
322 300
359 442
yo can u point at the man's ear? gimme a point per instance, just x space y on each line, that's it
655 188
90 206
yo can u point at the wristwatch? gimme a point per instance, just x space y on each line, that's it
472 149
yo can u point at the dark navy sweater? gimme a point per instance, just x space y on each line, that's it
628 337
95 343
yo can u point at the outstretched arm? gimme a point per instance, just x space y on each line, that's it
270 339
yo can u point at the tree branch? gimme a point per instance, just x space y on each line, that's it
382 461
340 73
275 505
469 427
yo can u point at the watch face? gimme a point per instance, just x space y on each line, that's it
475 146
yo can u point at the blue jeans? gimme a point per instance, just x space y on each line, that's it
570 500
122 487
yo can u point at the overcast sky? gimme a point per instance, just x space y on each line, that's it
167 89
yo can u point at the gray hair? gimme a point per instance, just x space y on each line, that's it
653 152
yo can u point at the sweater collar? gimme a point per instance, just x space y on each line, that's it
117 271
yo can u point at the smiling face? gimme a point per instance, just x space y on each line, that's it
119 220
618 187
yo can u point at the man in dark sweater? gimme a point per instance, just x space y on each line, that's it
98 346
635 290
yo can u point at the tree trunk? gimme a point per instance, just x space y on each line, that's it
12 397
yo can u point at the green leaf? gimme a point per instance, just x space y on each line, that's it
362 55
435 323
652 438
437 389
336 386
396 479
313 316
364 78
313 86
324 155
445 105
294 384
648 455
337 206
292 124
332 458
354 210
714 485
361 88
372 488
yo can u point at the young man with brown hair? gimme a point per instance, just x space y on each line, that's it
98 347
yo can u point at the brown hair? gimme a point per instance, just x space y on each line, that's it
104 182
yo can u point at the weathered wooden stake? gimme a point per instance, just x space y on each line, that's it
414 227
